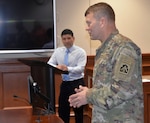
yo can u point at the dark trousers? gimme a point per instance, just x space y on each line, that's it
66 89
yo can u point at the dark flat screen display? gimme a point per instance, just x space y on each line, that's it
26 24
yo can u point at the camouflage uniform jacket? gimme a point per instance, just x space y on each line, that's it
117 93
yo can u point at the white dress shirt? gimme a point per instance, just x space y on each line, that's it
77 61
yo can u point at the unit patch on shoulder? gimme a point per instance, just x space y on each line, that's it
124 68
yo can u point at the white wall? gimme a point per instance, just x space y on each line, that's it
132 20
70 14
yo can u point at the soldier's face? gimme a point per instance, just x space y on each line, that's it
93 27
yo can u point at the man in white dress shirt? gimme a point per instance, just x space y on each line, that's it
76 63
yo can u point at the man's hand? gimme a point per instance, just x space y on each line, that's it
78 99
62 67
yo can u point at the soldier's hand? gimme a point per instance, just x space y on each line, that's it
78 99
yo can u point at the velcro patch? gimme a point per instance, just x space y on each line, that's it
124 68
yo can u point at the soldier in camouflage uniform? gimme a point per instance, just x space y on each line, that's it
117 93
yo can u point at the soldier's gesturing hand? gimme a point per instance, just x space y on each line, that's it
78 99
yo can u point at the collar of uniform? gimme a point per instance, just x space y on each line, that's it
112 35
100 48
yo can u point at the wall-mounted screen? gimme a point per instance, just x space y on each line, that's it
27 26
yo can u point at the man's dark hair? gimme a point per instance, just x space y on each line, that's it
67 31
